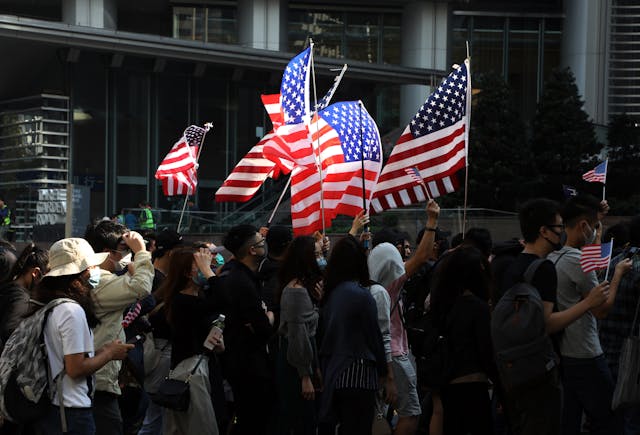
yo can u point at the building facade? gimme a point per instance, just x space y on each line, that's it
135 74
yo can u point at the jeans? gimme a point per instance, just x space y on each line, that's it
106 412
588 386
79 421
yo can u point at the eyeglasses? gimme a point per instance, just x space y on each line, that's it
561 226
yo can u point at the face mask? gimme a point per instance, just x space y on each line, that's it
199 279
219 259
588 240
322 262
94 277
562 239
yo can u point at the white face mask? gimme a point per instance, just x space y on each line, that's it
588 240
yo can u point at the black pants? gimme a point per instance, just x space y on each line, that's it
536 409
106 413
253 404
467 409
355 409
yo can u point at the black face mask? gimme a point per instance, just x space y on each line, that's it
562 240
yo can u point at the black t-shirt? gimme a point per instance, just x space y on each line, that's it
545 278
191 321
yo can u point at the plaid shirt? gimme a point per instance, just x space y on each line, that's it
617 325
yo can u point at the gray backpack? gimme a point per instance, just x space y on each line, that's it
26 385
524 351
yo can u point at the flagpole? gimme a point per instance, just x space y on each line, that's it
606 276
207 127
604 185
319 160
273 213
364 195
466 134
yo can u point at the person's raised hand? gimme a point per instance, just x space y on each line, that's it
598 295
134 241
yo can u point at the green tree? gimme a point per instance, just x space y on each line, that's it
500 173
563 139
624 159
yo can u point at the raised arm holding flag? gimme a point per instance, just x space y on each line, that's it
598 175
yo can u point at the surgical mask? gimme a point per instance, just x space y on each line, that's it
588 240
94 277
322 262
219 259
199 279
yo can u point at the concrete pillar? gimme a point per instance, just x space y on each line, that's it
102 14
424 45
263 24
584 50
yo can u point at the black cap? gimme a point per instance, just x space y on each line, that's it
168 239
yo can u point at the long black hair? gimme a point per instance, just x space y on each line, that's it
299 263
348 262
53 287
464 268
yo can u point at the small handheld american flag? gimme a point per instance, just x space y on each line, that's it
414 173
597 174
132 315
596 256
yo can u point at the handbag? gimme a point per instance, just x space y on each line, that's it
174 393
627 391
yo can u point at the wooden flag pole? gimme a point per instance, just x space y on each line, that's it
319 159
207 127
273 213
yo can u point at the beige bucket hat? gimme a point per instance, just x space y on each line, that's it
72 256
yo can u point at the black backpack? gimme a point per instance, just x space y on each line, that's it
524 351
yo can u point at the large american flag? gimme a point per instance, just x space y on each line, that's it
595 256
291 140
253 169
597 174
345 140
178 170
435 142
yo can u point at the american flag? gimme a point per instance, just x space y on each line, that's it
597 174
595 256
291 142
178 170
435 142
324 102
345 139
132 314
253 169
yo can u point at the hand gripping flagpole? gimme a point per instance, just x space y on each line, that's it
208 126
319 155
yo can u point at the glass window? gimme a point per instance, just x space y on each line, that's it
132 105
222 25
391 39
361 36
487 46
210 24
372 37
552 45
523 63
461 26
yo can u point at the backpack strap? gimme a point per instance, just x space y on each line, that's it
532 269
559 257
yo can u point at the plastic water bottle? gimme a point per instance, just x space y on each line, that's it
215 332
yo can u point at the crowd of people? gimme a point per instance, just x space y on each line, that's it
358 335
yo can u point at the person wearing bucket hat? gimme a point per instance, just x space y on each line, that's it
113 294
67 334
